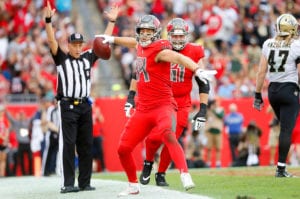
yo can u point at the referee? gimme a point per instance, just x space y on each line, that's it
74 107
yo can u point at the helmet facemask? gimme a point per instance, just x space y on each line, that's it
178 33
178 39
145 37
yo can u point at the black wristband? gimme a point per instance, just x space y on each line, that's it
112 21
203 107
131 94
258 95
48 19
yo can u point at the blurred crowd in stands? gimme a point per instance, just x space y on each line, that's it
25 62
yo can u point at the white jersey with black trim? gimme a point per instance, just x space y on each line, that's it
282 60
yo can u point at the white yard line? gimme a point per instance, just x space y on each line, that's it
49 187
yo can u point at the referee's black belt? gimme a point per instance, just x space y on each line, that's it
75 101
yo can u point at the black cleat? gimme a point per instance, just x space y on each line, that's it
69 189
283 174
160 179
87 188
145 175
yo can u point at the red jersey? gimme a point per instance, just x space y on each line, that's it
182 77
154 87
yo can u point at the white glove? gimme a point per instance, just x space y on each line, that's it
130 104
127 108
199 124
107 39
199 120
205 75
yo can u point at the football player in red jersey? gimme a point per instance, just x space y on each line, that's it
156 106
182 78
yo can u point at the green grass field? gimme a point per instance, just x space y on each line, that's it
231 183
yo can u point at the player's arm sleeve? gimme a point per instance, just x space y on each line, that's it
128 42
203 88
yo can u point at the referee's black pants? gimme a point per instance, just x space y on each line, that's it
75 130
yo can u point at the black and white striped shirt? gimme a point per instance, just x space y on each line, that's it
74 75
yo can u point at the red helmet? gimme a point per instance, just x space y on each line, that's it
178 26
148 22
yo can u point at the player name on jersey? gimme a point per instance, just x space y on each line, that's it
279 44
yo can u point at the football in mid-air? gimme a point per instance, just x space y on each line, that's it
102 50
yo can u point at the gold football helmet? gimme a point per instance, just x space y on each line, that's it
287 24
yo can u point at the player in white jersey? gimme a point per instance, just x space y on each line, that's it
280 60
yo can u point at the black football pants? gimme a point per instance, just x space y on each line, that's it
284 99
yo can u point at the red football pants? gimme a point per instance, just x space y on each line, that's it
153 141
139 126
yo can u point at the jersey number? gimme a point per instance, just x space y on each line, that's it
277 60
177 73
141 68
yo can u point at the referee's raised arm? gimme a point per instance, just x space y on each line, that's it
48 13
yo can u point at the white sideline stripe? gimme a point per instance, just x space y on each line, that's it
60 146
49 188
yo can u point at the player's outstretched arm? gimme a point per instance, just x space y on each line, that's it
168 55
128 42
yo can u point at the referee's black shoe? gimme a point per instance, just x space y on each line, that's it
87 188
146 172
69 189
282 173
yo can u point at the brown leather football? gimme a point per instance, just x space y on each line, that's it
102 50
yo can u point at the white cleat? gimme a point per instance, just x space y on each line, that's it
187 181
132 189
